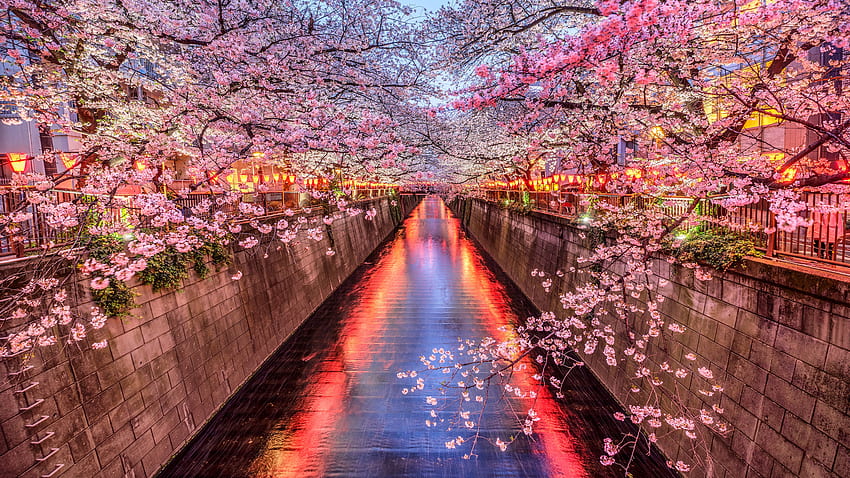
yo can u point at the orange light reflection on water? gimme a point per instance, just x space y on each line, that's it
559 447
295 453
299 448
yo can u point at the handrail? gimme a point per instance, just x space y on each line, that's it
43 236
829 244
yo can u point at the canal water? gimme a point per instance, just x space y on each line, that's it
328 402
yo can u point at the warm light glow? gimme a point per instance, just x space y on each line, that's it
18 161
775 157
788 175
656 132
69 160
633 173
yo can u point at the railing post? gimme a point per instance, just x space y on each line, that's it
771 236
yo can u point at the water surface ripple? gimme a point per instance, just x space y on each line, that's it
328 402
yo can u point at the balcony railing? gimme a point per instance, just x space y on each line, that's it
824 241
36 234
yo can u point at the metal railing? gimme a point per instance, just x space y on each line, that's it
36 233
825 240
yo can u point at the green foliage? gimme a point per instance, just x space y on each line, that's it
523 206
101 247
596 236
115 300
718 249
218 254
199 263
166 269
526 200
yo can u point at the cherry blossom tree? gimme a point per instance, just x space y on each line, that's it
729 104
166 96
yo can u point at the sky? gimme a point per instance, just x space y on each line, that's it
430 5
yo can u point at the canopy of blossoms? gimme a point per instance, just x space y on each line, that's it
167 98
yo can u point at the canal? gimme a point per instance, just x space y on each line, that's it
328 402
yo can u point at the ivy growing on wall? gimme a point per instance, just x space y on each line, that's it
164 270
719 249
117 299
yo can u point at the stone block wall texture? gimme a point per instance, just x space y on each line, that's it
123 411
779 335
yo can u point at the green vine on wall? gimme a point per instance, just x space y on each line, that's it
719 249
165 270
117 299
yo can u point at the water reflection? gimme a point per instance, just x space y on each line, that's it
328 403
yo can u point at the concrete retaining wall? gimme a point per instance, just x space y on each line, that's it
782 335
124 410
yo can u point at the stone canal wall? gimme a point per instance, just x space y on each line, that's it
123 411
781 334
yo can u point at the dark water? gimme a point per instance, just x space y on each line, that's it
328 402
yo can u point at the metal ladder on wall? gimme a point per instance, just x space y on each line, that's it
25 390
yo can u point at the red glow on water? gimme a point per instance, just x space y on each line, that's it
431 256
558 445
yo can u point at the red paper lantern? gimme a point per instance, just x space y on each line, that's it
18 161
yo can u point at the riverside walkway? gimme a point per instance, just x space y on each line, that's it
328 402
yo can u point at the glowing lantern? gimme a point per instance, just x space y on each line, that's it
18 161
788 175
276 177
633 173
69 160
291 179
243 177
140 166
